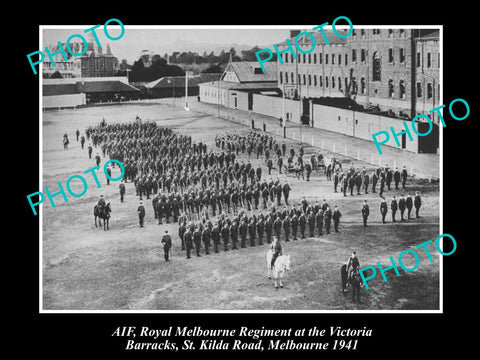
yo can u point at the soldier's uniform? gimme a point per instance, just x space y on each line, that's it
268 229
167 244
394 207
225 235
243 228
141 214
328 219
234 235
122 191
383 210
365 213
417 202
336 218
197 239
181 233
401 207
374 181
335 181
216 237
206 239
311 223
294 225
319 221
188 237
251 231
277 227
366 181
409 204
404 177
302 221
396 178
286 227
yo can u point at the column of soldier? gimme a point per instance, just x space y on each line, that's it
188 183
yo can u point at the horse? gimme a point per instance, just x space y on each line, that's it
354 281
282 263
102 213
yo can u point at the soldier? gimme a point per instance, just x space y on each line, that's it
308 169
154 205
243 228
344 184
225 235
352 266
374 181
286 191
188 237
319 221
396 178
409 204
197 240
268 228
277 226
366 181
270 166
206 239
394 207
336 179
160 206
417 202
234 235
311 223
383 209
404 177
213 203
401 207
280 164
167 244
365 212
122 190
215 235
181 233
351 184
302 221
294 225
336 217
382 185
97 159
276 248
256 197
141 213
251 231
286 227
388 177
260 230
328 219
90 150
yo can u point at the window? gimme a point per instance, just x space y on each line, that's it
309 58
304 79
390 32
339 59
320 80
429 91
291 57
257 71
362 85
314 58
315 80
281 77
309 80
333 59
402 33
339 83
354 55
320 58
326 81
362 33
419 90
377 67
286 78
390 89
402 55
346 59
418 59
333 82
362 55
304 58
429 60
402 89
346 83
390 55
292 78
326 58
286 58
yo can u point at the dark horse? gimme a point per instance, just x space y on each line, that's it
354 281
102 213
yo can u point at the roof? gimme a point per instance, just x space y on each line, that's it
220 84
245 71
88 87
266 85
319 39
427 34
179 81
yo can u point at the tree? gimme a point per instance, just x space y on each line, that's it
213 69
249 55
56 75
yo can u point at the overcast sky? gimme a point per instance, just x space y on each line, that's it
167 40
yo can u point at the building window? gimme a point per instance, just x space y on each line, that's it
326 58
354 55
292 78
402 32
291 58
309 58
314 58
419 57
390 89
320 58
346 84
304 79
377 67
281 77
320 80
333 59
339 83
390 32
346 59
304 58
362 55
309 80
339 59
333 82
362 33
362 85
286 78
326 81
390 55
402 55
429 91
419 90
315 80
429 60
402 89
286 58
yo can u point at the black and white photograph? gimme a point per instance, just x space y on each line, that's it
237 169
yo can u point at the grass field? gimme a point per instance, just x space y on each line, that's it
86 268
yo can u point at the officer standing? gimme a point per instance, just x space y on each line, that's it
277 227
197 239
383 209
401 207
374 181
243 228
251 231
122 190
396 178
90 151
366 181
404 177
82 141
181 233
328 219
260 230
225 235
394 207
97 159
286 191
286 227
141 213
311 223
409 204
335 181
234 235
206 239
294 225
188 241
302 221
365 212
167 244
319 221
216 236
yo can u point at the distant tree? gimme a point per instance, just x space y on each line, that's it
232 52
213 69
249 55
56 75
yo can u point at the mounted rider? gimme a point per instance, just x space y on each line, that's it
276 248
352 265
101 203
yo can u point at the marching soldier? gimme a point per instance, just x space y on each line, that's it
197 240
122 190
302 221
383 209
260 230
311 223
366 181
216 236
286 227
167 244
358 182
181 233
294 225
286 191
188 237
154 205
251 231
374 181
336 217
225 236
319 221
382 185
388 177
396 178
206 239
365 212
234 235
394 207
243 228
277 227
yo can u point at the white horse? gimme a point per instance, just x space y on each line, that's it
282 263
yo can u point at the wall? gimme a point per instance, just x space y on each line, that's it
69 100
273 106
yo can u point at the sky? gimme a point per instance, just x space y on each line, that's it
167 40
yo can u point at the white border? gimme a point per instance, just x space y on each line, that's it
243 27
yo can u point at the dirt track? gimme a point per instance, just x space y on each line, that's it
88 268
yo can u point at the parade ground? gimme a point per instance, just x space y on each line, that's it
84 267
